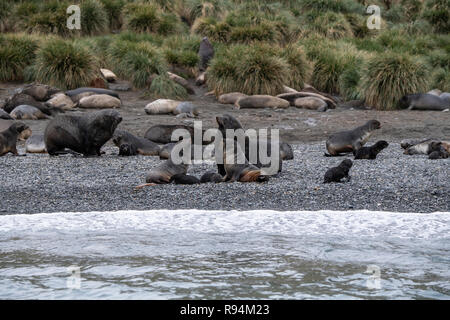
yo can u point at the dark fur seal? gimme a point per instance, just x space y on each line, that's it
206 53
24 99
370 152
8 138
184 179
424 101
84 134
348 141
421 147
5 124
162 133
336 174
211 177
75 92
130 145
164 172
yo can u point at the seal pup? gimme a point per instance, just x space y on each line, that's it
439 150
424 101
8 138
336 174
370 152
422 147
351 140
206 53
25 112
211 177
35 144
5 124
181 178
130 145
84 134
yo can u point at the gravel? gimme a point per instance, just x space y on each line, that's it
392 182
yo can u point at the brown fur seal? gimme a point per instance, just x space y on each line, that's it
336 174
348 141
206 53
24 99
130 145
439 150
261 101
370 152
84 134
164 172
4 115
35 144
5 124
25 112
8 138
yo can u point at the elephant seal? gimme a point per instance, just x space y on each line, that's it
435 92
75 92
8 138
162 133
291 97
424 101
40 92
62 101
161 106
164 171
181 178
130 145
4 115
311 103
25 112
5 124
446 97
370 152
108 75
35 144
261 101
336 174
231 98
24 99
348 141
182 82
187 108
211 177
84 134
99 101
205 53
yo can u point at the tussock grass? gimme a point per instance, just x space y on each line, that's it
94 18
162 87
16 53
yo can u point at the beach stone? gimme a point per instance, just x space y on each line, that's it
161 106
60 100
99 101
311 103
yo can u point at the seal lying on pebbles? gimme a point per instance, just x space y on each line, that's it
4 115
99 101
23 99
348 141
206 53
425 146
163 172
75 92
211 177
25 112
8 138
439 150
370 152
231 98
5 124
261 101
424 101
161 106
184 179
40 92
130 145
336 174
84 134
311 103
291 97
186 108
35 144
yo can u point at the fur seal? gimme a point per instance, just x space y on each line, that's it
25 112
424 101
311 103
40 92
62 101
426 146
165 150
439 150
336 174
231 98
4 115
211 177
99 101
8 138
24 99
75 92
370 152
261 101
163 172
161 106
291 97
181 178
201 79
187 108
35 144
130 145
5 124
348 141
206 53
84 134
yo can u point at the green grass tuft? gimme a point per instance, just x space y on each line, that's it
163 87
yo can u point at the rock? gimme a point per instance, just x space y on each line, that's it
161 106
261 101
182 82
60 100
108 75
231 98
99 101
311 103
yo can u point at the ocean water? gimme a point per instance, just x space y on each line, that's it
195 254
